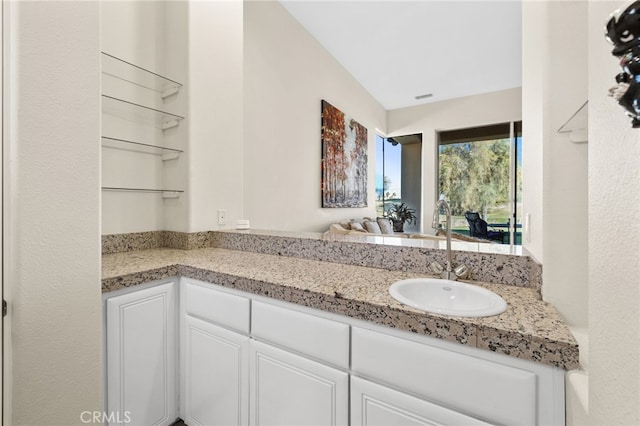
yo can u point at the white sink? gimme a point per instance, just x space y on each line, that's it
447 297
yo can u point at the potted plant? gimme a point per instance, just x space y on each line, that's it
399 215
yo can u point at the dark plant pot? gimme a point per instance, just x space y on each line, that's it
398 226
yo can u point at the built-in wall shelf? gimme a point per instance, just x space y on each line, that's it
166 193
135 112
134 74
141 160
577 126
167 153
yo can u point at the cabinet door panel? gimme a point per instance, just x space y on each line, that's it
229 310
141 367
376 405
301 332
490 390
215 375
287 389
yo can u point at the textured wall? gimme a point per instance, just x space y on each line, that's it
53 260
614 240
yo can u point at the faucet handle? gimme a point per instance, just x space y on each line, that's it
462 271
436 267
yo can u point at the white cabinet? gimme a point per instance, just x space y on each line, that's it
307 381
376 405
214 375
214 356
220 363
246 359
288 389
141 356
487 386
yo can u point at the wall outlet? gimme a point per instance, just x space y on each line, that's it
222 217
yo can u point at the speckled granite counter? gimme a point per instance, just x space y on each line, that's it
528 329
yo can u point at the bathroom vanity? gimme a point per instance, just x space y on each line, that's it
220 336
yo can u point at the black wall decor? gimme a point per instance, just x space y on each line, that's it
623 31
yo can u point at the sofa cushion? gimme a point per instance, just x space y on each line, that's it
357 226
372 227
345 224
386 226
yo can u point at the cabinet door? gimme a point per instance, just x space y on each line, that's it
287 389
141 369
376 405
214 372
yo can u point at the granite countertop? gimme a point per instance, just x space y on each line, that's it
529 328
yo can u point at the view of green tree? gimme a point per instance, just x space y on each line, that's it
474 176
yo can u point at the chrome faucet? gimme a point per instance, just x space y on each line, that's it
448 272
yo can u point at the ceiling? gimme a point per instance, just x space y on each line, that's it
399 50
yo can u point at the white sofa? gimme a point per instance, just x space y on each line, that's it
365 226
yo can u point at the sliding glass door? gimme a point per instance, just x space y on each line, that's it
479 175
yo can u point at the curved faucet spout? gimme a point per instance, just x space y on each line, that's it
442 204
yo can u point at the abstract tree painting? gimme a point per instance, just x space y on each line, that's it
344 159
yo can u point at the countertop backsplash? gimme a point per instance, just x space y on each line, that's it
488 262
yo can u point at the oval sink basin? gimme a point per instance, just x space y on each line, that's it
447 297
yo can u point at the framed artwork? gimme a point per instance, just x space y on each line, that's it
344 159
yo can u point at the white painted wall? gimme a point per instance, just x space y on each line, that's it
555 169
176 59
286 75
428 119
614 240
7 363
555 172
606 311
200 45
411 179
134 32
53 232
535 126
216 179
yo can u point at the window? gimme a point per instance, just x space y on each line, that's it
398 175
479 171
388 174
